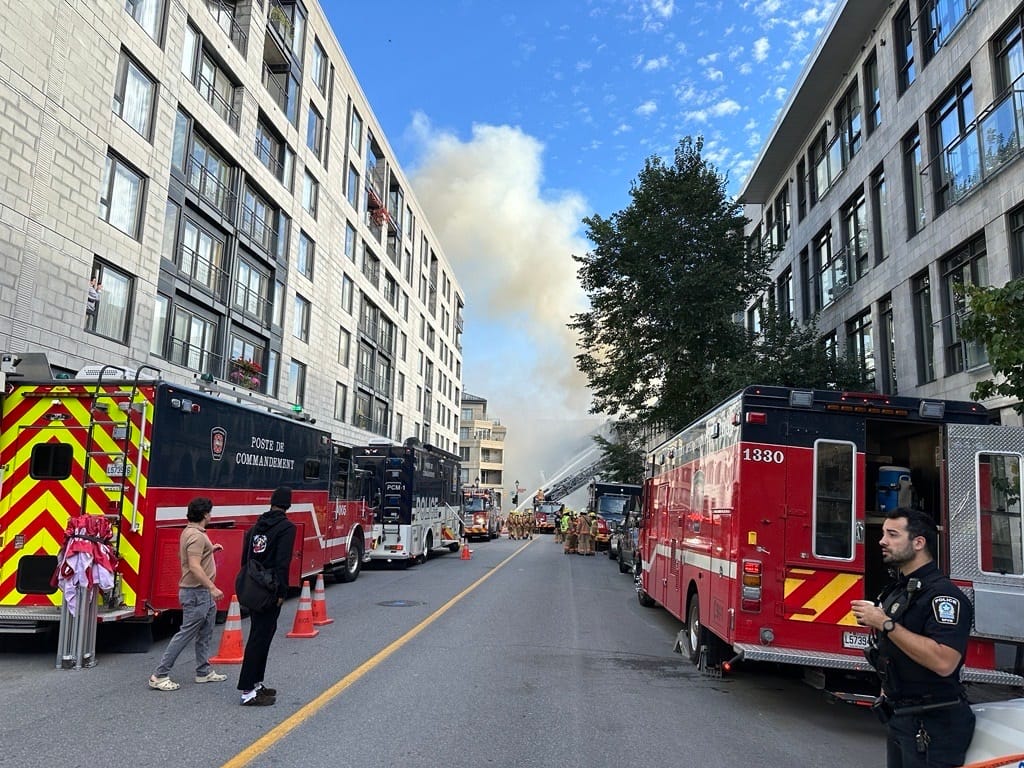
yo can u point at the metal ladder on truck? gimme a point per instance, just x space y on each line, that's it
77 634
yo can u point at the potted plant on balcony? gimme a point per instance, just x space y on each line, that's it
245 373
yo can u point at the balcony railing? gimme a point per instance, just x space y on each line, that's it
258 230
993 140
210 187
251 302
225 16
220 103
194 357
268 155
282 87
199 271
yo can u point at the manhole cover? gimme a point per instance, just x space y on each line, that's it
400 603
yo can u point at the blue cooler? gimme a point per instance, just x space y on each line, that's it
889 481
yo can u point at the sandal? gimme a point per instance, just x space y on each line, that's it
162 684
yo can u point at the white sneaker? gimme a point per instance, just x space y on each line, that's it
211 677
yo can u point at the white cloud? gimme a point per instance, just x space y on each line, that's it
708 59
761 48
725 107
781 93
652 65
745 68
697 116
622 128
649 107
714 75
662 8
583 66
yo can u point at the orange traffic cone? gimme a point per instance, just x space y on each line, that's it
467 553
303 626
320 603
231 651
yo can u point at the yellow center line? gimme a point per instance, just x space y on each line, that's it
307 711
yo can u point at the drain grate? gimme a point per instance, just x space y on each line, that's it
400 603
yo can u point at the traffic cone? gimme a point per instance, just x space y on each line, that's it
320 603
303 626
467 553
231 650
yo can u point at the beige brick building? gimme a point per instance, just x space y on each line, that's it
482 447
892 173
216 168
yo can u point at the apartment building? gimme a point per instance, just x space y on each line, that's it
201 186
481 446
892 174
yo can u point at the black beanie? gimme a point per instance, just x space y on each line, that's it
282 497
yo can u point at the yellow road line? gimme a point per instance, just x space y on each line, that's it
307 711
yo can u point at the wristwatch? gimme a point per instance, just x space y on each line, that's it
888 626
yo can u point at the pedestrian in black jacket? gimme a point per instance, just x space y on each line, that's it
270 542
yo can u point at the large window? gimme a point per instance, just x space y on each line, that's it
939 19
848 126
860 347
258 220
784 294
200 257
134 95
855 235
319 67
108 307
315 131
956 163
833 278
305 258
121 196
300 318
274 153
252 287
887 338
297 383
1016 222
310 194
1010 52
924 329
879 215
904 47
149 14
913 163
245 368
210 77
193 339
872 93
968 265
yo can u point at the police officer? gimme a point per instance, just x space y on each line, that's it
921 626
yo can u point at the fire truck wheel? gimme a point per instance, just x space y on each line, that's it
641 594
693 637
349 570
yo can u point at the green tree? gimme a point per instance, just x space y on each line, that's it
995 318
665 278
622 457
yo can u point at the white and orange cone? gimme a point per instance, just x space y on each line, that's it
231 650
320 617
303 626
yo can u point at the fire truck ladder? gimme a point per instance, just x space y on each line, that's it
118 465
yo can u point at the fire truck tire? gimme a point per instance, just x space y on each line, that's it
623 565
349 570
454 547
428 547
694 636
641 594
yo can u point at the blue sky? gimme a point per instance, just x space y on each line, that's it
516 120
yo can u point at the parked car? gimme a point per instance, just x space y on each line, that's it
624 542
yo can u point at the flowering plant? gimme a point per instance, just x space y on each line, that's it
245 373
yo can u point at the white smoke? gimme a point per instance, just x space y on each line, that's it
511 242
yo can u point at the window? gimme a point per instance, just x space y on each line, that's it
356 133
879 215
912 167
848 126
855 235
252 286
340 400
223 12
967 266
400 387
350 241
833 278
887 347
310 194
193 338
278 310
924 329
347 289
780 213
1002 539
300 318
958 163
398 427
1016 226
784 294
275 153
1009 46
344 346
258 219
834 517
315 131
817 156
361 415
121 196
159 329
860 348
872 93
352 191
801 189
297 383
371 267
134 95
304 260
318 68
149 14
200 257
210 77
939 19
108 315
245 367
903 38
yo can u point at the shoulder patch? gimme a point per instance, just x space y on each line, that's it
946 609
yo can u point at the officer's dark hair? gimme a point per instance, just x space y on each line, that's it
918 524
197 509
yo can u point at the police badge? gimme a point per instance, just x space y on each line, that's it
946 609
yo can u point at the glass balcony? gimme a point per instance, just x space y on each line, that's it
209 187
200 271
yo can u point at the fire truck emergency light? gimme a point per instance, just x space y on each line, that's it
931 409
801 398
757 417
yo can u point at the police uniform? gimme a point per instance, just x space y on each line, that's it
931 723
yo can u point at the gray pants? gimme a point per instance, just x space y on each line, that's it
198 617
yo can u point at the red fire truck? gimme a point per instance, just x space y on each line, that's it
136 450
761 522
479 514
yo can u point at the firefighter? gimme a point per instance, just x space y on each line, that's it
558 527
569 529
593 533
528 521
921 627
586 543
512 525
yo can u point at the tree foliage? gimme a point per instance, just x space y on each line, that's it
995 318
665 278
622 457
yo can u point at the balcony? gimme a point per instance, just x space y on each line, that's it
221 103
258 230
224 14
194 357
200 272
210 188
283 89
990 143
252 303
268 154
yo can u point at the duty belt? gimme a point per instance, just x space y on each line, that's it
923 704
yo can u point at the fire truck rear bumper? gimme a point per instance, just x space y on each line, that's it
751 652
32 619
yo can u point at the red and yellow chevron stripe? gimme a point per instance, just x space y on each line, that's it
34 511
821 596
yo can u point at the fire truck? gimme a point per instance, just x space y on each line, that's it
414 493
479 514
761 521
611 502
546 515
136 449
